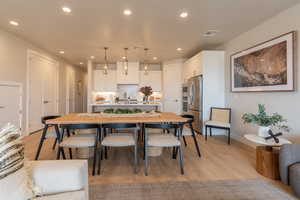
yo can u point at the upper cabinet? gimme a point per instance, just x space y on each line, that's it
132 77
152 78
105 82
193 67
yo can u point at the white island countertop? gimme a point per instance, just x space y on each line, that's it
119 105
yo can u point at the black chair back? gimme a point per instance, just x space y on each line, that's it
161 126
45 118
117 126
80 126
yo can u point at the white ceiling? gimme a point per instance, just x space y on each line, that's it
154 24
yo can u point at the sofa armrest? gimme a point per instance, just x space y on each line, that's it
57 176
289 155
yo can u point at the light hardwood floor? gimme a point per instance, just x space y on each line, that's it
218 162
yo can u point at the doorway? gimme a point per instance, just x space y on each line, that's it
11 104
42 90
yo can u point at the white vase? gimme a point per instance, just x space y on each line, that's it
263 131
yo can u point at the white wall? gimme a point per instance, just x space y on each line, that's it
13 59
285 103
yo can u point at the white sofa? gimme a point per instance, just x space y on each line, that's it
63 179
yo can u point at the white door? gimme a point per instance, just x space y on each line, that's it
50 89
172 83
70 96
11 104
42 90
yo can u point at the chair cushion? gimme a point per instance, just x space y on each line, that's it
218 124
163 140
118 140
77 195
78 142
15 182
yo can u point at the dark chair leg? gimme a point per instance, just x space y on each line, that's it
105 153
175 152
228 136
41 142
181 161
146 161
185 144
135 158
195 141
100 158
210 133
206 133
63 153
98 136
54 144
58 153
70 153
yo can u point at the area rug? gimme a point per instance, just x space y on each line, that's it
255 189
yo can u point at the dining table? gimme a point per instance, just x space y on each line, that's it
103 118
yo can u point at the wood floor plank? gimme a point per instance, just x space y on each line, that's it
218 162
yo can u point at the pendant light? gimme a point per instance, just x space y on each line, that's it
125 63
105 71
146 66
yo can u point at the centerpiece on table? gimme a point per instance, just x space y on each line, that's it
265 121
147 92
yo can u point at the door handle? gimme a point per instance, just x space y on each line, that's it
45 102
2 107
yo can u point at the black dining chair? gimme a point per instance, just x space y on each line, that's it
163 140
79 141
119 139
46 134
188 130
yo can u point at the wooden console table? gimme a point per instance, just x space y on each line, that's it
267 155
267 161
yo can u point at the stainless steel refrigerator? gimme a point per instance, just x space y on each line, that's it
195 104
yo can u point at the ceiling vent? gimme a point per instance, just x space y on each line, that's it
210 33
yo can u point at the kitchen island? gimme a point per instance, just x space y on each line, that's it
141 106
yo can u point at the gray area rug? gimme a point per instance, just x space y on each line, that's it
255 189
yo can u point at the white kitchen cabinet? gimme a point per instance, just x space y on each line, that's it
105 82
193 67
132 77
153 79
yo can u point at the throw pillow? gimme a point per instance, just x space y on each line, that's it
14 179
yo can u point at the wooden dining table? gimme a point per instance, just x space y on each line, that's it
85 118
94 118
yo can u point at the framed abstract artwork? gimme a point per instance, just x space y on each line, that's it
266 67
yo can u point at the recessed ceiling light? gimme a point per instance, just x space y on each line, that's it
127 12
154 58
66 9
92 57
123 57
184 14
14 23
210 33
61 52
179 49
81 63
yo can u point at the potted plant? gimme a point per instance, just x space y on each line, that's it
146 91
265 121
